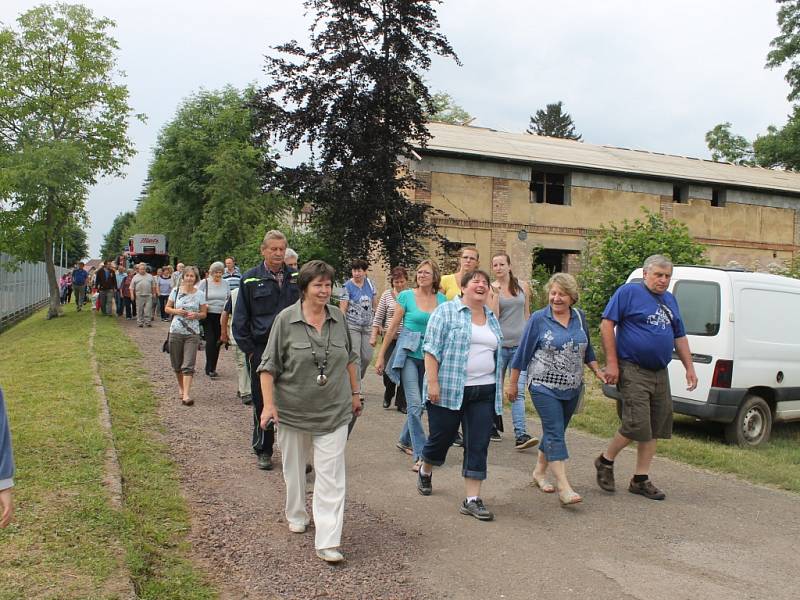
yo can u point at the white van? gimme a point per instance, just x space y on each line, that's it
744 333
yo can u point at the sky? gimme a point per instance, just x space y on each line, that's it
654 75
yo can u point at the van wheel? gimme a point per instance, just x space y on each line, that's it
752 425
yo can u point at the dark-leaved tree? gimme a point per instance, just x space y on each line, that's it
357 98
553 122
115 241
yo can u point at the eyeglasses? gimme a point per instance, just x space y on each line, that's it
425 273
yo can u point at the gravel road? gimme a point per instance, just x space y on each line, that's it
713 537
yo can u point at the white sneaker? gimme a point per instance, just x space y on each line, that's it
298 527
331 555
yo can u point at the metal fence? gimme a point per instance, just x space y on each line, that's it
22 291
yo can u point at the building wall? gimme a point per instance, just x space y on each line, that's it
488 205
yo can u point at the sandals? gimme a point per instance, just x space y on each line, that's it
404 449
187 402
543 484
569 498
415 467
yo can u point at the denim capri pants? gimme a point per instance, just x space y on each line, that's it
555 414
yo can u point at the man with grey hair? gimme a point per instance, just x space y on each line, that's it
291 259
265 291
648 327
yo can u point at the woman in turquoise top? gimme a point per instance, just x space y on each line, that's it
414 308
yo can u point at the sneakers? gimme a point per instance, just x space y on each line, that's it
495 436
330 555
605 475
458 440
646 489
298 527
525 441
424 484
264 462
475 508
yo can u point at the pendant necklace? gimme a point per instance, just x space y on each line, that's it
322 379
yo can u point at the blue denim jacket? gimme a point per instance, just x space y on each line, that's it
407 341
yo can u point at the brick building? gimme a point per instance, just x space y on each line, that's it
515 192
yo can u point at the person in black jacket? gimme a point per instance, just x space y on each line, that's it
265 291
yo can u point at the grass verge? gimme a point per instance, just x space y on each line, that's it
66 540
702 444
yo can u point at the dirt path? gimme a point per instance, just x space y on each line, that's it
714 536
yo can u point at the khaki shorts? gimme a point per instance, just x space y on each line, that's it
646 403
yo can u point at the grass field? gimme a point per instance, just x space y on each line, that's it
777 463
66 540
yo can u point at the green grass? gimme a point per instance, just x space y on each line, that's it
702 444
66 540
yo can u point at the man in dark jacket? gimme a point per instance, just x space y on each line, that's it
105 281
264 292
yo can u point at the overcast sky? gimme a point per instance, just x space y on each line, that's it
654 75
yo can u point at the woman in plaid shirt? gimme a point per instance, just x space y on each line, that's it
462 392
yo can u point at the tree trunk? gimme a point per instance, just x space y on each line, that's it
55 294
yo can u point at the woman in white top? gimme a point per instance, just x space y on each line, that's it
187 306
216 290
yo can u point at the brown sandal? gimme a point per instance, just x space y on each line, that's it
187 402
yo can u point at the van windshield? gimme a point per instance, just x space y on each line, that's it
699 305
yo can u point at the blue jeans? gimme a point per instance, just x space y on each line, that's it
555 415
476 417
518 405
413 433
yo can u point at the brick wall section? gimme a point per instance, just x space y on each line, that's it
796 228
422 193
666 207
573 265
501 196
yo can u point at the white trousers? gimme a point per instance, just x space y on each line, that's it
327 505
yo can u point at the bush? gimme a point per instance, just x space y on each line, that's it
616 250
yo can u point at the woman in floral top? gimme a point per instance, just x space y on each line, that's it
188 307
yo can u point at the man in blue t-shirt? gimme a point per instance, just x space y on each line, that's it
648 327
79 276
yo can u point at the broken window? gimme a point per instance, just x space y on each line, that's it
548 188
680 194
718 197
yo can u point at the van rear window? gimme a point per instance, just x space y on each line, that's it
699 304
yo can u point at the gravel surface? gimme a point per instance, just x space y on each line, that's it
238 529
714 537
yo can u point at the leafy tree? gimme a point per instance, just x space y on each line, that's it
786 46
204 185
446 110
115 241
63 124
616 250
780 148
553 122
76 245
357 98
725 145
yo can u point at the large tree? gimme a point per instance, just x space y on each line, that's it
204 185
63 124
358 99
115 241
552 121
779 147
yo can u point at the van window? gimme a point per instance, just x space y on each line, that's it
699 304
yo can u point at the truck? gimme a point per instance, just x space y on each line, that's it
743 331
149 248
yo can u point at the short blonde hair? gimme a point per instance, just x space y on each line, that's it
567 283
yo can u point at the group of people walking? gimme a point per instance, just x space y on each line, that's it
454 347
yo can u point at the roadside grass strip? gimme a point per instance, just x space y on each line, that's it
66 540
156 513
776 463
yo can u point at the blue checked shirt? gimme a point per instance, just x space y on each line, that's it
447 339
